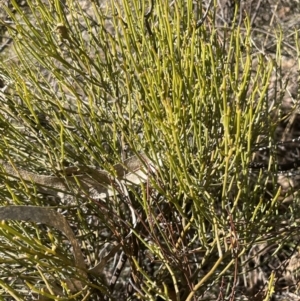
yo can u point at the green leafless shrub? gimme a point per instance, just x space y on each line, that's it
92 85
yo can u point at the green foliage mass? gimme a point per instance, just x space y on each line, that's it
91 85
